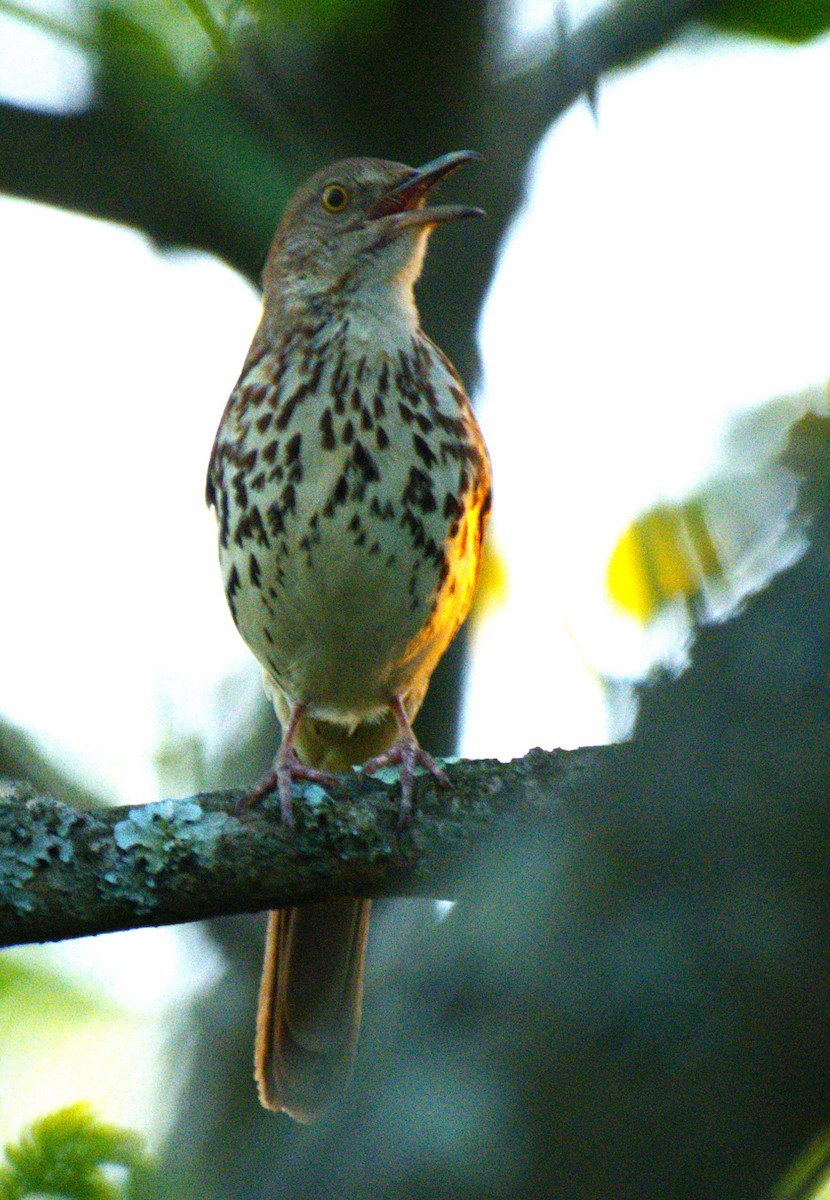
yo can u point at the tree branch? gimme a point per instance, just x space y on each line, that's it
67 872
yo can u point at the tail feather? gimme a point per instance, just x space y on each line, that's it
310 1004
311 993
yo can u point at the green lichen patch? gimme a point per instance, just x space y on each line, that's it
159 835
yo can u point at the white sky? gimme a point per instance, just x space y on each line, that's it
670 268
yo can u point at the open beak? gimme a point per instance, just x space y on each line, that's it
405 202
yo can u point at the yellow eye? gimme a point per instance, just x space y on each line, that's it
335 198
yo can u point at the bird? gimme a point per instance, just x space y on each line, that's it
351 486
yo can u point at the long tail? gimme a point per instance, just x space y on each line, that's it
311 993
310 1002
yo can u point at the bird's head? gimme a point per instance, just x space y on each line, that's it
356 232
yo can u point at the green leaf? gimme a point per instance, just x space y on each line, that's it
63 1153
30 992
780 20
331 16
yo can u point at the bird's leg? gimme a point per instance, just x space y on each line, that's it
406 753
287 767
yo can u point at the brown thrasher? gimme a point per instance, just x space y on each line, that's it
351 486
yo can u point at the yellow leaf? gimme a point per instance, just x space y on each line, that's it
665 555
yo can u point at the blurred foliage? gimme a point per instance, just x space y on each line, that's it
70 1154
42 1009
809 1177
664 555
782 20
31 992
334 17
725 540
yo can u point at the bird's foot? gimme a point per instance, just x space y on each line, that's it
407 754
286 770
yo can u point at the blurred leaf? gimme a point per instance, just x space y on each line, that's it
63 1154
208 145
809 1176
666 554
29 992
781 20
730 536
172 25
330 16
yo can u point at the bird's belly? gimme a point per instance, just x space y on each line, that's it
350 519
346 620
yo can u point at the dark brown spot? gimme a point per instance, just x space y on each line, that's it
224 530
269 452
379 407
250 526
364 462
348 434
231 588
305 389
381 438
387 513
293 448
327 439
337 497
274 518
449 424
240 490
422 449
418 492
357 400
405 372
253 570
264 421
406 412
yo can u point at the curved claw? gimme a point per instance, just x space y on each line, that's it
287 768
407 754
